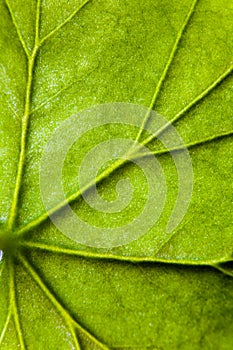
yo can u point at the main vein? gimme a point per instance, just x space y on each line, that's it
108 256
166 69
64 313
25 122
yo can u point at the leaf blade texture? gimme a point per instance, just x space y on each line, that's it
58 58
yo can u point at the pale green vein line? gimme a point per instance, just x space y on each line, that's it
5 326
37 31
76 195
106 256
184 146
14 305
167 240
13 110
57 305
65 314
224 271
17 29
63 23
182 113
64 88
73 197
166 69
52 97
24 126
56 94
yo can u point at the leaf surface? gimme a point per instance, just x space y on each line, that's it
58 58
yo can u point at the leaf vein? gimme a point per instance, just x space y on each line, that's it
24 46
14 306
167 66
64 312
56 94
224 271
106 256
185 146
67 20
5 326
193 103
24 125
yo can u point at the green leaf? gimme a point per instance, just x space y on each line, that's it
58 58
124 305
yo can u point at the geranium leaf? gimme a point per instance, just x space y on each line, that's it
60 59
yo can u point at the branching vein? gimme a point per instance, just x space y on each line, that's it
193 103
184 146
44 216
71 322
167 66
17 29
67 20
